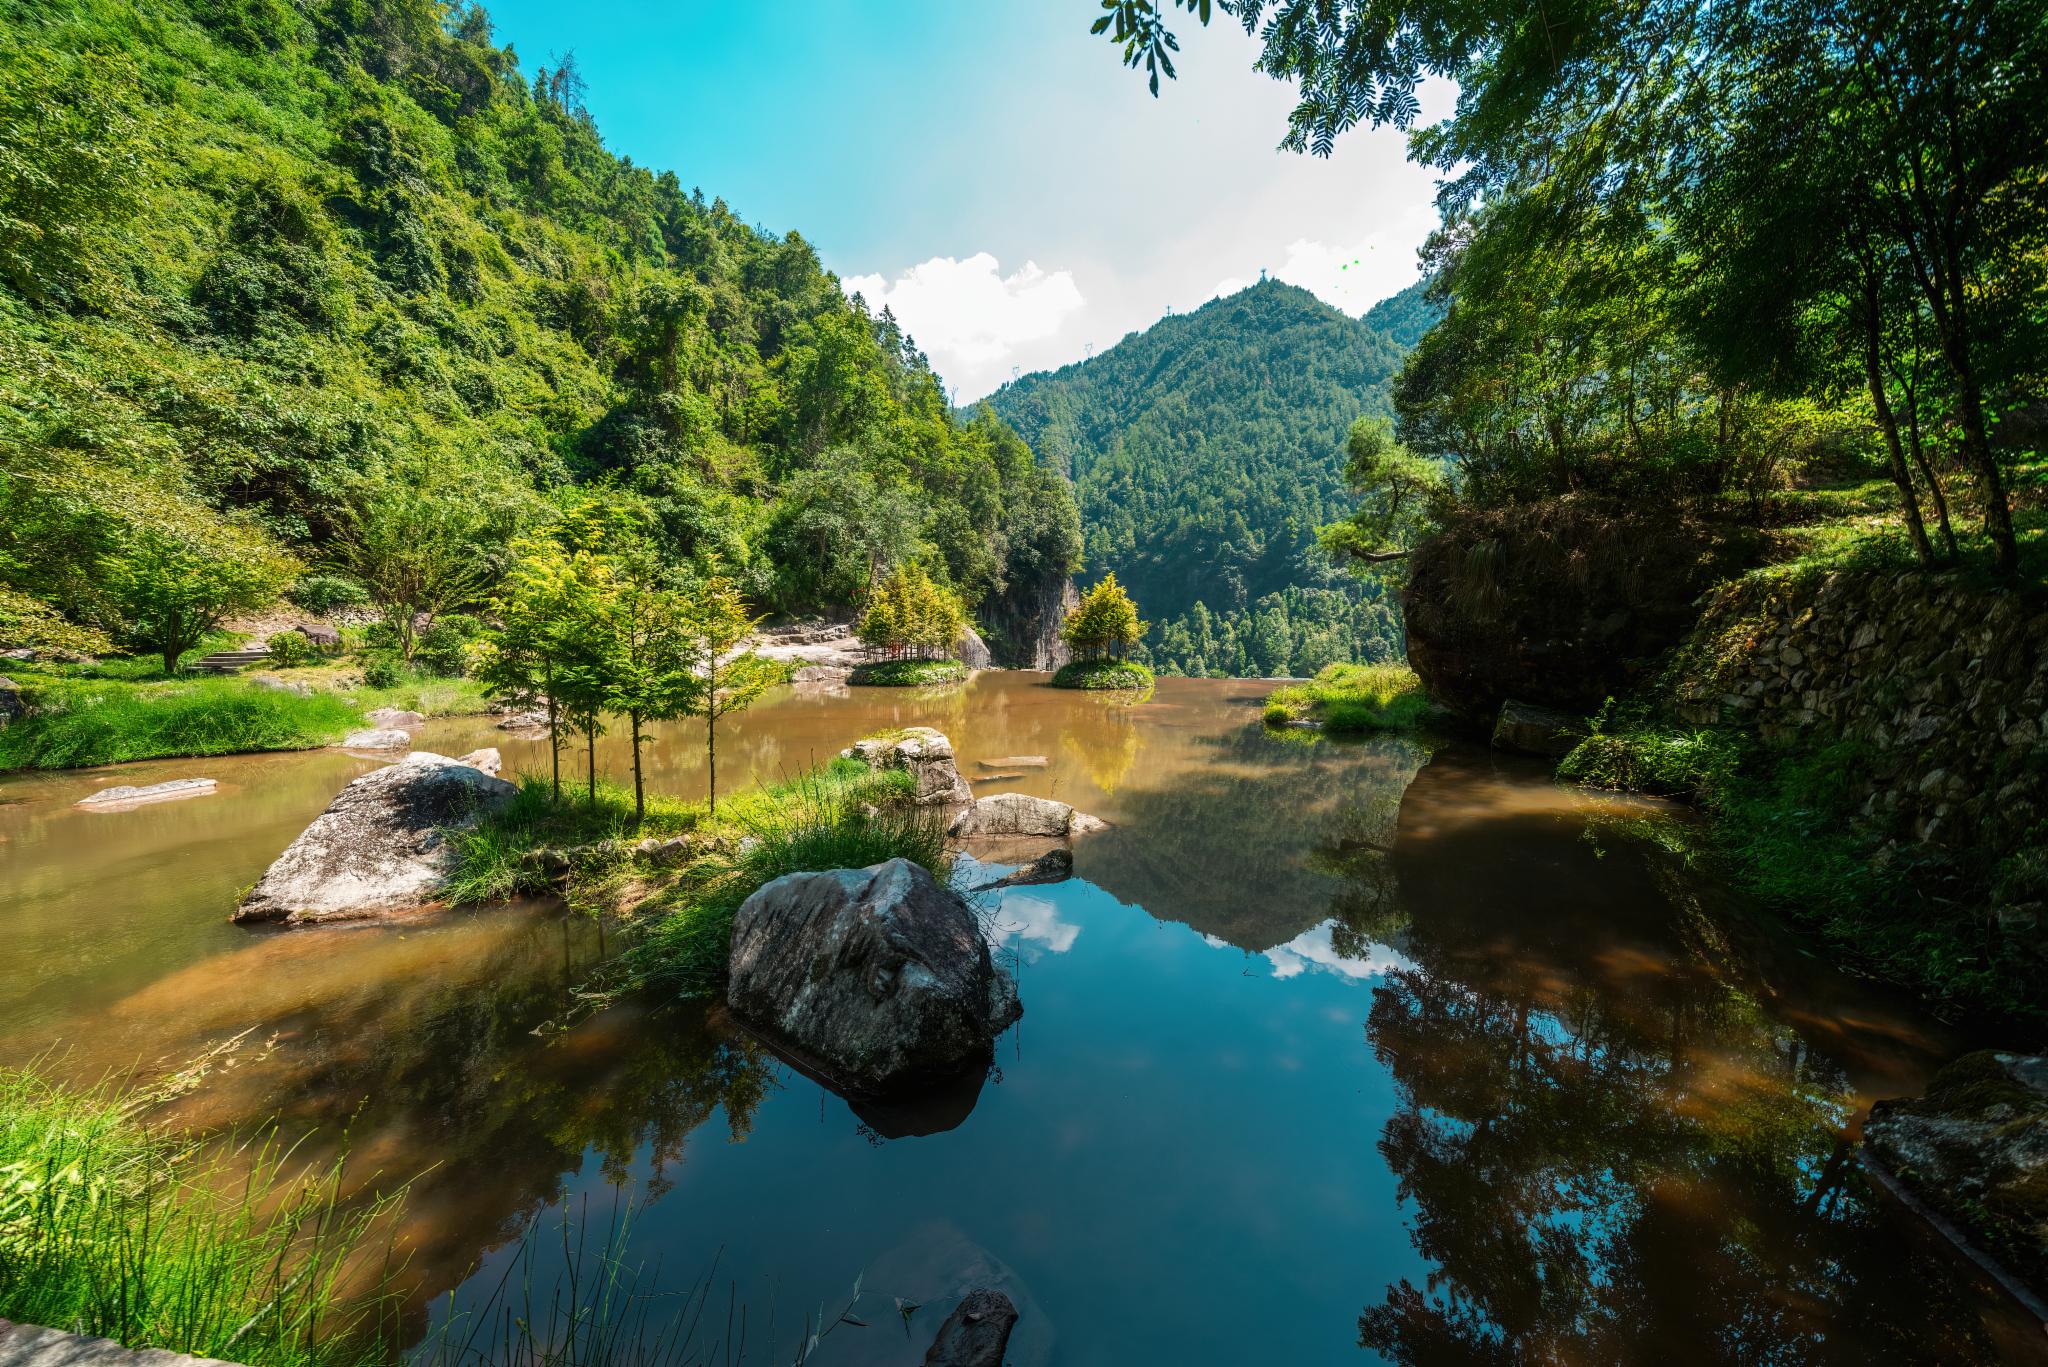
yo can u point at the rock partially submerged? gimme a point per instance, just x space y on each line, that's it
487 759
1015 762
1528 729
530 720
380 846
926 753
379 739
128 795
1974 1146
1054 866
825 676
878 978
976 1334
1009 814
394 719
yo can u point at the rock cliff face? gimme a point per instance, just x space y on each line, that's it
1024 624
1945 686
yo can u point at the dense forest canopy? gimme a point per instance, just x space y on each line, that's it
1206 451
269 270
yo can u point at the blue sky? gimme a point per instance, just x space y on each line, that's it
989 169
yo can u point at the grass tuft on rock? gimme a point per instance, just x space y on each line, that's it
112 1230
74 725
1103 675
907 673
1353 698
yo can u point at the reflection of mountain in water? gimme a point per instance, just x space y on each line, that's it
1611 1153
1230 846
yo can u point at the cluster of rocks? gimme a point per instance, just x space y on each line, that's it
1944 682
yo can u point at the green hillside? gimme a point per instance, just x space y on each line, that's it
1206 450
257 256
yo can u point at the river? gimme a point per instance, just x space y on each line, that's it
1332 1052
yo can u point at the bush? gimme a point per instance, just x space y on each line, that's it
321 594
290 649
443 648
1353 698
1103 674
385 671
907 673
85 724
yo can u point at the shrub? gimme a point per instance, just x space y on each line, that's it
443 647
1103 674
907 673
1634 754
1353 698
321 594
86 724
385 671
290 649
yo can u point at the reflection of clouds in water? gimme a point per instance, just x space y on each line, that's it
1037 923
1313 949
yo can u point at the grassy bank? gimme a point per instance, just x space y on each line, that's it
1103 675
1784 825
681 874
76 724
1353 698
114 1231
907 673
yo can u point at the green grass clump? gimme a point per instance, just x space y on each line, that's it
111 1230
1103 674
907 673
1632 753
74 725
1353 698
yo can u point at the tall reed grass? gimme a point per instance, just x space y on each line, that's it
1353 698
79 724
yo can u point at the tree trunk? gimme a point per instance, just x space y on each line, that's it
590 760
554 736
1901 476
711 754
1926 468
639 790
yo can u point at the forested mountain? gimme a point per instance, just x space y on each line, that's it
257 256
1404 317
1206 451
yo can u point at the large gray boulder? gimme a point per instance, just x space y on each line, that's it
972 650
381 845
1017 814
878 979
926 753
1528 729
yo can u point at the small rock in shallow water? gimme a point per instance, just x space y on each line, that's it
376 740
394 719
976 1334
926 753
1015 762
524 721
487 759
1054 866
1020 814
130 796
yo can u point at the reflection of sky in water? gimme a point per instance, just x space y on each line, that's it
1316 949
1036 923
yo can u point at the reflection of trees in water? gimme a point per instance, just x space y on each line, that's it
1612 1152
1225 845
1105 744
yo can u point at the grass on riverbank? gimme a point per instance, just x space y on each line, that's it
907 673
1784 825
75 725
1103 675
681 899
1353 698
110 1230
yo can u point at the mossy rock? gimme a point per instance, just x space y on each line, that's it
1104 675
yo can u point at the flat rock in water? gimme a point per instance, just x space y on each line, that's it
1528 729
394 719
376 740
976 1334
380 846
1007 814
1054 866
524 721
879 978
1015 762
926 753
128 795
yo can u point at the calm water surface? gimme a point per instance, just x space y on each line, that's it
1331 1053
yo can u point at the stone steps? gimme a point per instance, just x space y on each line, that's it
232 661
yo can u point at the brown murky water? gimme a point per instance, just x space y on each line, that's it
1332 1052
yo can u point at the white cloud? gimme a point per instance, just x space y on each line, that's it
1314 949
1036 922
969 317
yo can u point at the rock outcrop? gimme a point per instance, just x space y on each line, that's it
380 846
1024 621
128 795
926 753
1015 814
976 1334
878 978
1974 1146
1527 729
972 651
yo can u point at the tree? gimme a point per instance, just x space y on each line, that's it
176 582
1105 623
522 653
713 622
1398 488
909 611
653 639
413 537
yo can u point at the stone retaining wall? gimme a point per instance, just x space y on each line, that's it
1944 682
